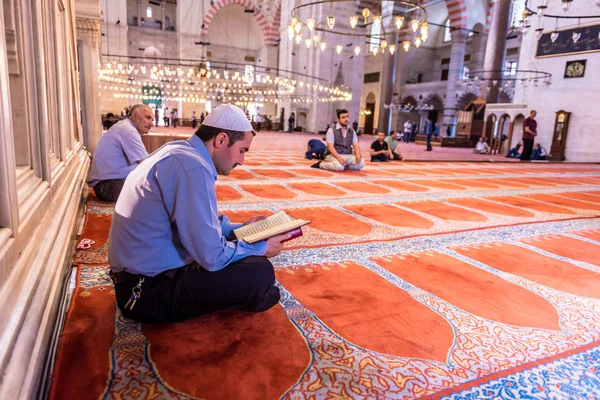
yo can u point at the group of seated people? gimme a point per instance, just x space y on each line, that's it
538 152
341 149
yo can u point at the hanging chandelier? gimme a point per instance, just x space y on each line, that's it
411 20
539 8
478 80
200 81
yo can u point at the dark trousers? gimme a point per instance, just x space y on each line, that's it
193 124
406 137
396 156
429 148
109 190
190 291
527 149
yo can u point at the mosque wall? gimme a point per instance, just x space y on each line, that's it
580 96
41 182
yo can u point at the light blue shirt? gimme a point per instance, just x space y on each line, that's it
166 215
330 138
117 153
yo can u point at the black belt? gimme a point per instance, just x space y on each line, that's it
121 277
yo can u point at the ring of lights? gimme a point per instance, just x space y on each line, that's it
413 12
199 81
540 12
526 77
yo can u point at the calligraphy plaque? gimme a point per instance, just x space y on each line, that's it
588 41
575 69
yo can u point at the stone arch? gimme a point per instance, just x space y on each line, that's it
409 100
503 97
503 129
490 126
258 15
516 127
465 100
457 12
435 100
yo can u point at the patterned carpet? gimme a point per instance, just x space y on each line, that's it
437 280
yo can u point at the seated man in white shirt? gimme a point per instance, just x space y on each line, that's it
481 147
343 149
118 152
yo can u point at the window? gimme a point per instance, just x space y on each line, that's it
466 72
371 78
444 75
517 13
445 61
149 12
447 34
511 68
375 38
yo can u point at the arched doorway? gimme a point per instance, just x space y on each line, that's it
369 113
434 100
490 128
515 133
301 121
499 146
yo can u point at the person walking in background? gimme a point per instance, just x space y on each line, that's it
407 131
194 119
201 118
156 117
413 131
429 130
529 134
174 117
355 126
291 121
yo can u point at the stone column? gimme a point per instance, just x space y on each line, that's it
457 62
496 50
140 12
88 35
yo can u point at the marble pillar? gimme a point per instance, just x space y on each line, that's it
496 50
88 35
457 62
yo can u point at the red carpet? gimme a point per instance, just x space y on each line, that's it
422 279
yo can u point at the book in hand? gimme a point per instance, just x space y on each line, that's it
276 224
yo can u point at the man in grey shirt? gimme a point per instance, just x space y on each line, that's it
118 152
343 150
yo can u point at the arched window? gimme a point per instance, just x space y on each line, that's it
149 12
375 38
517 13
447 34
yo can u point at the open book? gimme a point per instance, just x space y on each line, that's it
274 225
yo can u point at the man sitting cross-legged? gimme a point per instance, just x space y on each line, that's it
171 256
380 151
340 145
119 151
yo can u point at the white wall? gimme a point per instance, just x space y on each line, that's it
580 96
232 27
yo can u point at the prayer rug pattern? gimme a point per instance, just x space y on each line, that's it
412 281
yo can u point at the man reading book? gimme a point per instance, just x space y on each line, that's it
171 256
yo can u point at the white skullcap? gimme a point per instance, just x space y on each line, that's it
230 117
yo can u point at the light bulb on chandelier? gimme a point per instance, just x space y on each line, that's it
554 36
566 6
298 38
308 43
330 22
538 33
576 36
298 27
323 46
310 23
392 49
316 40
406 45
400 20
418 42
354 21
377 20
290 30
339 48
415 25
365 13
375 50
357 50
